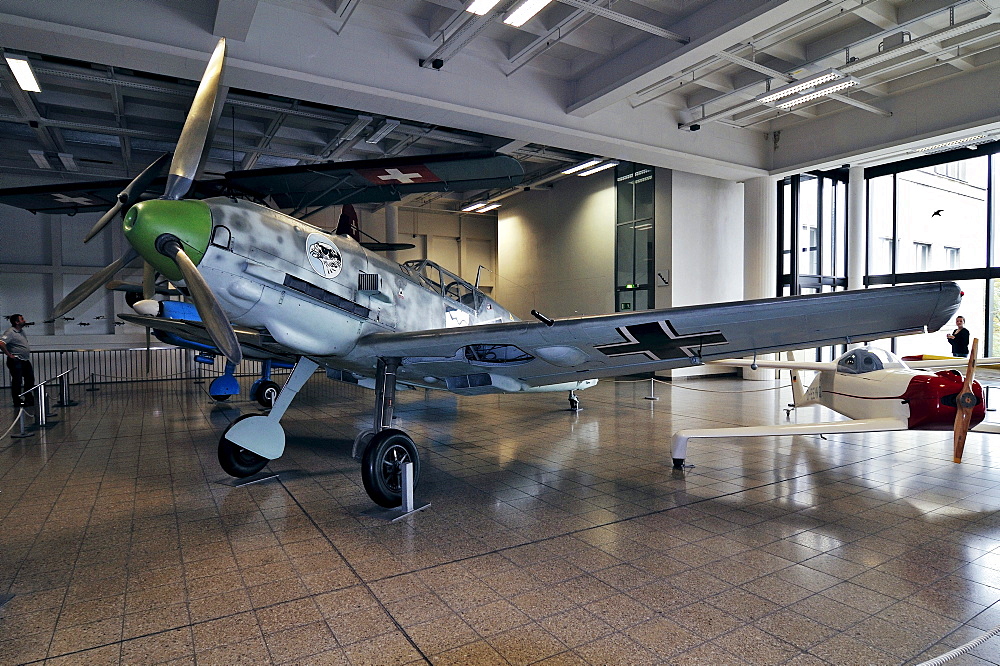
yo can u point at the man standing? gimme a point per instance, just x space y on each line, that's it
14 344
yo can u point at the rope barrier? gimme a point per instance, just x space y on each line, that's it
968 647
16 419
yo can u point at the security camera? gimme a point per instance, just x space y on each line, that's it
695 127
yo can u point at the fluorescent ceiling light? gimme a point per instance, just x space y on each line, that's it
606 165
482 7
40 159
952 144
836 86
68 162
472 207
523 12
25 76
383 130
490 207
796 87
583 165
355 128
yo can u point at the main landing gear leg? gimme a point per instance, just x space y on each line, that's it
388 449
253 440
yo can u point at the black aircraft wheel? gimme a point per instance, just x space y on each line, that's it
237 461
220 398
267 393
382 466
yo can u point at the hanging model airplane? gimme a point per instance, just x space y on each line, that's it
268 284
879 393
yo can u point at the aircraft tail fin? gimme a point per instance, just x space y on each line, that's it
348 225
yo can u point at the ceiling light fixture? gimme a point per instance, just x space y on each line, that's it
68 162
40 159
954 143
524 12
355 128
474 206
25 76
490 207
482 7
795 87
836 86
383 130
583 165
596 169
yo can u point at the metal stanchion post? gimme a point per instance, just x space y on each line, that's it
41 404
23 433
652 392
93 387
41 421
64 400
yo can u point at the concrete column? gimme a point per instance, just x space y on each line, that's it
760 238
857 245
760 248
391 227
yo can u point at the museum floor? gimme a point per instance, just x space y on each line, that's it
553 537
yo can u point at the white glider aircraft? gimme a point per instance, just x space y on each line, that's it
878 391
267 284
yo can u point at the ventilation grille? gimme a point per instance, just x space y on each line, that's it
368 282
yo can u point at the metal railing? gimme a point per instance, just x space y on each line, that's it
101 366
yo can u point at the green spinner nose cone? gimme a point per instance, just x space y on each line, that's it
189 220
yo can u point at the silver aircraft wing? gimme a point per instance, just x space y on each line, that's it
535 354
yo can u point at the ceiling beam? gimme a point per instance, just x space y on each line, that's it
714 28
233 18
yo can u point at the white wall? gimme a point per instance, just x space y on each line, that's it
707 240
556 248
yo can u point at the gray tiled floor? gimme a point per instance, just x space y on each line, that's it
553 537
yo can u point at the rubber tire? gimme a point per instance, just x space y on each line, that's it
221 398
381 466
237 461
267 393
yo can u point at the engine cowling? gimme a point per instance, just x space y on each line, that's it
932 400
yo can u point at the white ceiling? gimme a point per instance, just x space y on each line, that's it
569 82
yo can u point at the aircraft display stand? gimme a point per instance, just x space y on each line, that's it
409 506
250 480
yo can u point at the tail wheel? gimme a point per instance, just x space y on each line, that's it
220 398
267 392
382 466
237 461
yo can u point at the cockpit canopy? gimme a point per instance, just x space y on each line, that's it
441 280
867 359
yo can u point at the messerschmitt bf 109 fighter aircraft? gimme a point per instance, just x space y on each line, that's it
878 391
269 284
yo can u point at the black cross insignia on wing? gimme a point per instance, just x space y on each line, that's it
659 341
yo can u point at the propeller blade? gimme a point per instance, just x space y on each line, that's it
184 166
92 284
148 281
130 194
965 402
207 304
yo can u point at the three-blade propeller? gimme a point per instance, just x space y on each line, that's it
184 165
965 402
